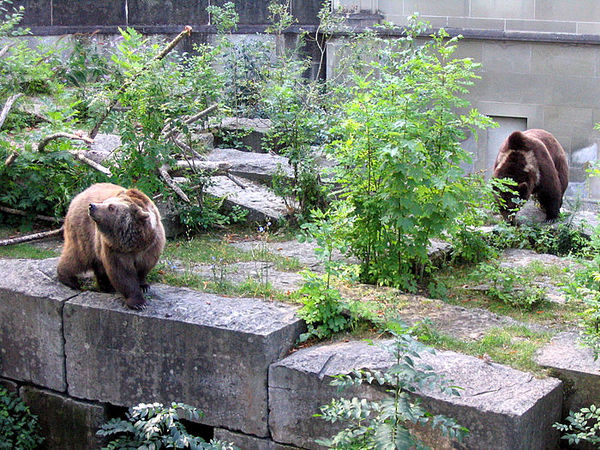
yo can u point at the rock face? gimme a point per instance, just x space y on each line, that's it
208 351
260 202
248 133
31 340
573 363
502 407
259 167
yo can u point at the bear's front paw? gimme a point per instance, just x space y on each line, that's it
136 303
144 287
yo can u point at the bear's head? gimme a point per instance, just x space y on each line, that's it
516 163
125 225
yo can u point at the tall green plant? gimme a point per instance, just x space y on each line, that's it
19 428
399 153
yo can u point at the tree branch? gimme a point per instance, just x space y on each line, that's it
172 184
23 213
42 145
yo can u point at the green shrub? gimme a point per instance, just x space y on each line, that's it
19 429
509 285
399 154
385 424
155 426
582 426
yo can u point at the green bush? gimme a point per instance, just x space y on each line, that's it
155 426
19 429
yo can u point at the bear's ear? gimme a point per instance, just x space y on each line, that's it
517 141
139 213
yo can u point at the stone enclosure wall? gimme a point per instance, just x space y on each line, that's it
77 357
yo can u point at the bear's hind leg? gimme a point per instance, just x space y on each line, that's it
123 277
102 278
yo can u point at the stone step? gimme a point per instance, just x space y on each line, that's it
502 407
574 364
260 202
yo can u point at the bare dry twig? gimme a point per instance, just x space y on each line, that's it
18 212
9 103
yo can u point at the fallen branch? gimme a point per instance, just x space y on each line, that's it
186 32
31 237
172 184
18 212
168 133
7 106
4 50
99 167
235 180
10 159
42 145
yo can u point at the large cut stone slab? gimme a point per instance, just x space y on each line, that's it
258 167
65 423
31 339
208 351
574 364
503 408
260 202
247 134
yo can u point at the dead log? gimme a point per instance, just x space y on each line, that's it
172 184
18 212
186 32
31 237
10 159
9 103
79 137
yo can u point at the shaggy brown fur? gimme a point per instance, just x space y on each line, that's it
536 161
115 232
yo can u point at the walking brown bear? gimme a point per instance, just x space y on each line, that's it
537 163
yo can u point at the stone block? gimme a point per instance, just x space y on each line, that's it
506 57
542 26
65 423
160 12
88 12
37 12
260 202
208 351
574 364
246 134
564 60
507 9
456 8
31 339
9 385
470 23
244 441
580 10
503 408
258 167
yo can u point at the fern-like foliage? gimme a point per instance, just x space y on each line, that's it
384 424
581 426
154 426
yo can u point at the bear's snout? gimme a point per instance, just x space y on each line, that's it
92 209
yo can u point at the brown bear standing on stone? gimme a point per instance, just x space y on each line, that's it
537 163
115 232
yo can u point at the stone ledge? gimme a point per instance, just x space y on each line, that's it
208 351
504 408
574 364
31 338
